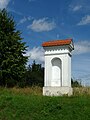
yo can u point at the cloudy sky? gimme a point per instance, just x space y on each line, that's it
43 20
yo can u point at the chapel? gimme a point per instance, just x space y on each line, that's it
57 79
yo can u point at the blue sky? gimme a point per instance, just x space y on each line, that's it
43 20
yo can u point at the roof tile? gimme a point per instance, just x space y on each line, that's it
57 43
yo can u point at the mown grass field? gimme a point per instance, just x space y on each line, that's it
29 104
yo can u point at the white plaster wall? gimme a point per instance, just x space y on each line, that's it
63 54
48 72
57 50
66 70
69 70
57 91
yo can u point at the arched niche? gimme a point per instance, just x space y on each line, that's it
56 72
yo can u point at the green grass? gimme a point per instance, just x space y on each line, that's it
29 104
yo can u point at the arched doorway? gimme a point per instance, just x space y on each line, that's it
56 72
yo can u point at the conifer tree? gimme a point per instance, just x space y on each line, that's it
34 75
12 50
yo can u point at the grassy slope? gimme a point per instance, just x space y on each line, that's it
21 104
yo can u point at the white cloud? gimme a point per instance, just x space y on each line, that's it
36 53
82 47
4 3
85 20
42 25
76 8
23 20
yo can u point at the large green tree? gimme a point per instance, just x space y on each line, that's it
12 50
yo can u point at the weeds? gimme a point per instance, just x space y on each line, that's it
81 91
29 104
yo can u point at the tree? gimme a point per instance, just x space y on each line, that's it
12 50
75 83
35 75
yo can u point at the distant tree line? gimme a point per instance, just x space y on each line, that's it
75 83
34 75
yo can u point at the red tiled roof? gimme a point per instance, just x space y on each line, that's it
57 43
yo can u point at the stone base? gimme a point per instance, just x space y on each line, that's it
57 91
